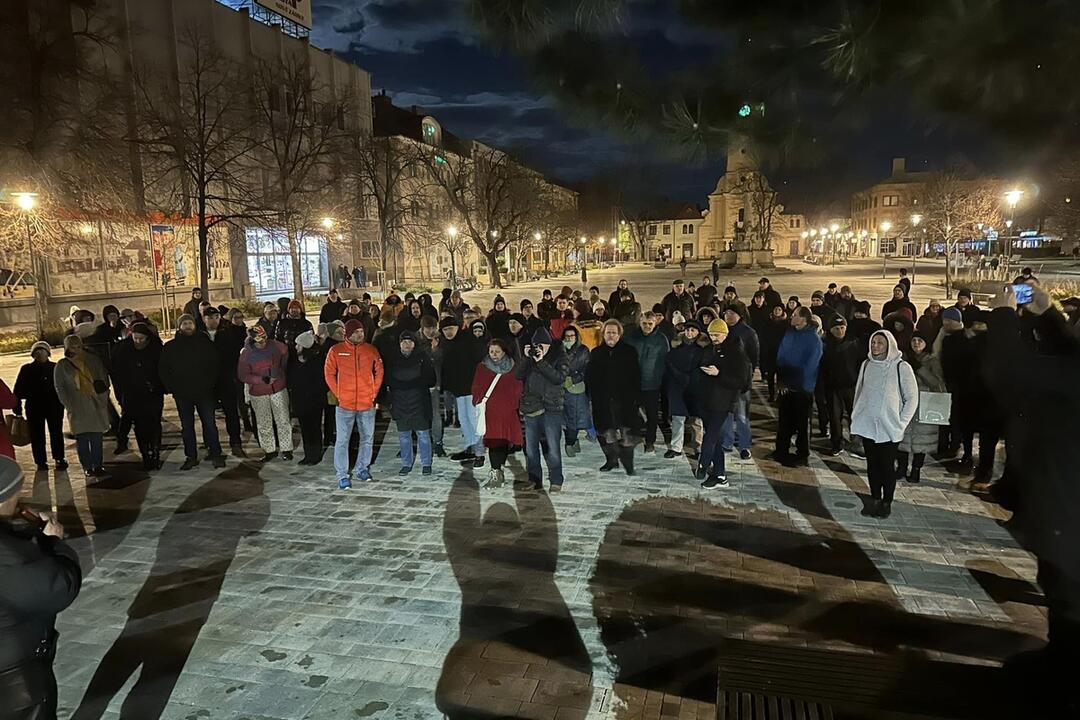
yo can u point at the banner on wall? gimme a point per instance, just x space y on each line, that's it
299 11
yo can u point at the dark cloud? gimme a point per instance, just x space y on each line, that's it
407 14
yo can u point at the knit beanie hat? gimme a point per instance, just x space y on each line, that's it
924 336
541 337
322 330
599 307
817 294
351 327
718 326
449 322
953 313
305 340
141 328
11 477
257 332
41 345
518 318
731 289
186 316
677 318
525 303
738 308
408 335
964 293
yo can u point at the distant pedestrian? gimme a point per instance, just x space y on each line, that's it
34 387
83 387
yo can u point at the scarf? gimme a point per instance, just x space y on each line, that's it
84 379
501 367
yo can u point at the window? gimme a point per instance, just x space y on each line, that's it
667 229
690 229
652 229
890 200
368 249
795 223
742 214
875 201
270 265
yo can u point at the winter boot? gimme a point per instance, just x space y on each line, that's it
916 467
611 453
901 465
626 456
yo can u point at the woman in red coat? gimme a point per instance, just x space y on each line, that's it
503 423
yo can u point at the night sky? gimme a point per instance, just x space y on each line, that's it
428 53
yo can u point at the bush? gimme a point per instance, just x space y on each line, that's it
417 290
1061 289
23 340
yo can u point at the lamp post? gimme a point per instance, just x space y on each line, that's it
1012 197
584 256
885 227
26 202
915 220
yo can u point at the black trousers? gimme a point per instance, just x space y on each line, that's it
769 376
497 454
794 420
823 403
650 402
989 436
329 425
243 410
37 423
311 432
226 397
842 401
147 421
881 468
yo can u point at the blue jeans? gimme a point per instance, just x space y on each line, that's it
467 417
550 425
88 446
206 408
577 416
365 425
712 449
738 421
423 442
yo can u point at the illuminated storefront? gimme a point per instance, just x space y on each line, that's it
270 264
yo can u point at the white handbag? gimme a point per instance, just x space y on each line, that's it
481 409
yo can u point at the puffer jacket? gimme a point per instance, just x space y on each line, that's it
354 373
263 370
409 380
544 382
652 350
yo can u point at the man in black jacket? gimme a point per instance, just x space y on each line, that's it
678 299
837 376
34 386
543 371
189 372
228 342
191 307
772 297
461 353
292 326
723 374
334 309
41 577
738 421
136 371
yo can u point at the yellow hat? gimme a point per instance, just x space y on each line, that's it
718 326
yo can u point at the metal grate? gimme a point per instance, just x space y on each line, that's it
736 705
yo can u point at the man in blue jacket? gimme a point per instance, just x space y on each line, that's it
652 349
797 364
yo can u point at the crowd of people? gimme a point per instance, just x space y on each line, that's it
539 377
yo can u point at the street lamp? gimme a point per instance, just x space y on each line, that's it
27 202
834 227
328 222
452 233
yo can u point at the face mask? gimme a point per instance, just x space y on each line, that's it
568 343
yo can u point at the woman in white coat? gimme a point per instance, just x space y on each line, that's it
886 398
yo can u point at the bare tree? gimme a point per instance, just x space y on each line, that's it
451 239
765 208
196 140
389 178
494 197
299 139
952 209
557 223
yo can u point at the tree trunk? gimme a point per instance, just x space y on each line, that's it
294 257
204 260
493 267
948 271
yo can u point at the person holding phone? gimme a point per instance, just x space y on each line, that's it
42 577
724 373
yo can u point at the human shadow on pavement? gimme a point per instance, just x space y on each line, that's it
518 642
195 550
676 577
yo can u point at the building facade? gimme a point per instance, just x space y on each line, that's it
676 234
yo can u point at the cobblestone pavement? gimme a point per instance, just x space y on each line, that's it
266 592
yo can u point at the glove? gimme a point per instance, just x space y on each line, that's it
266 379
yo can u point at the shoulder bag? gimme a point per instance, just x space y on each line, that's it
481 408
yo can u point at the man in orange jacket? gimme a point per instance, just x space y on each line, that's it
354 373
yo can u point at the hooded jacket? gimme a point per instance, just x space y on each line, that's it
409 379
886 396
263 370
902 328
354 373
799 358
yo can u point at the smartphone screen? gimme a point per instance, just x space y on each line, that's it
1022 292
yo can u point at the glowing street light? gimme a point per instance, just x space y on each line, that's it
915 220
886 226
26 201
537 235
1013 197
328 222
834 227
452 232
823 231
805 234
